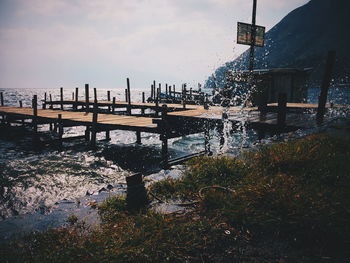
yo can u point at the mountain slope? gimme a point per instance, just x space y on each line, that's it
302 39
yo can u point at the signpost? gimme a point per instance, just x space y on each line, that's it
244 34
251 34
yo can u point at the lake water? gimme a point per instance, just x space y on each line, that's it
35 181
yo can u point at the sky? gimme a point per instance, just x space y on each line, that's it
67 43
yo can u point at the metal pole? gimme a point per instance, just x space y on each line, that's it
253 33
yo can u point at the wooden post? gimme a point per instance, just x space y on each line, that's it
129 96
60 130
136 196
87 98
73 95
164 136
327 76
35 120
126 95
76 98
44 103
138 137
61 93
95 95
108 135
184 97
87 134
143 97
21 106
253 34
2 98
282 111
190 93
109 99
166 89
113 105
51 105
154 90
206 102
174 91
94 126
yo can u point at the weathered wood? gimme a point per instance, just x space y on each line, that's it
51 105
87 98
154 90
325 86
94 126
138 137
109 99
45 101
166 89
143 97
72 95
184 96
282 111
206 102
61 97
60 129
20 104
164 136
126 95
113 105
35 120
136 196
2 98
95 95
75 105
129 96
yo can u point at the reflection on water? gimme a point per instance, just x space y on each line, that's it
34 181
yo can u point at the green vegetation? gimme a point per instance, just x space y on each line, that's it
289 202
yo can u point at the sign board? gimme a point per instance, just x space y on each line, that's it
244 32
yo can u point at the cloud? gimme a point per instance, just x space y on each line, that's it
55 40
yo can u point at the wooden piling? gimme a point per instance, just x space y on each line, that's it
206 102
154 90
94 126
126 95
60 130
143 97
95 95
166 89
87 98
129 96
136 196
113 105
109 99
282 111
20 104
2 98
164 136
325 86
72 95
44 102
61 96
35 120
138 137
75 105
51 105
108 135
184 96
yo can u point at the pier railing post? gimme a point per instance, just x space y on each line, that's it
325 86
206 102
75 106
109 99
61 96
164 136
45 100
113 105
51 104
87 98
95 96
282 111
129 96
2 98
94 126
35 120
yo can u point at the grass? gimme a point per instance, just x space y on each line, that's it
288 202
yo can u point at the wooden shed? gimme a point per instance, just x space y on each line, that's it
270 82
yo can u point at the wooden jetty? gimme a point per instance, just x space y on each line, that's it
169 120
